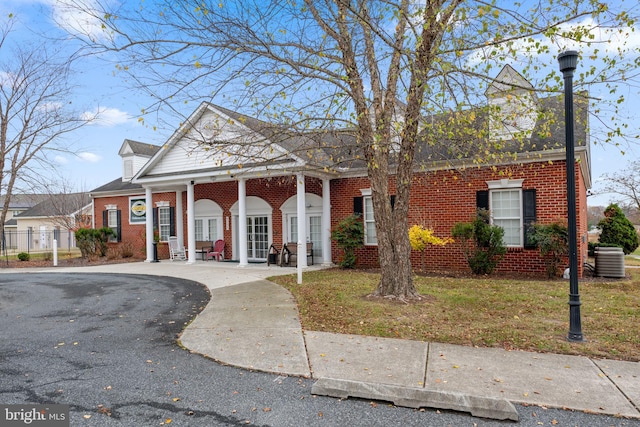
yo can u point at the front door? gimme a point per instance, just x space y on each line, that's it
314 232
257 237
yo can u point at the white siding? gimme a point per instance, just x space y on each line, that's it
240 145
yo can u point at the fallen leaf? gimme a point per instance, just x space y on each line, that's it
266 409
176 399
86 417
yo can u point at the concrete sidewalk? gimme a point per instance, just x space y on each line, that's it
253 323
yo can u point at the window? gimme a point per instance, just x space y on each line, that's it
364 206
506 212
164 223
370 237
112 223
128 169
511 208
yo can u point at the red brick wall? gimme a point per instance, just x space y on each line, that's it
438 200
441 199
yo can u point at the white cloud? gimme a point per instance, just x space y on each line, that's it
89 157
107 117
78 17
610 41
61 160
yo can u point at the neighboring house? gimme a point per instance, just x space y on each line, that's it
18 204
254 184
54 219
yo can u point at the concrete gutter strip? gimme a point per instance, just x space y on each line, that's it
478 406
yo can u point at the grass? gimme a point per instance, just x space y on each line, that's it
44 255
515 314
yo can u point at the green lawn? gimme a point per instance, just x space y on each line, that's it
488 312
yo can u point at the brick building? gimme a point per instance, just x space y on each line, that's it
225 175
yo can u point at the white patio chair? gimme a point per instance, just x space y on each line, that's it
176 250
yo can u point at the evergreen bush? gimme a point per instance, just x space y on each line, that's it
481 243
616 229
349 235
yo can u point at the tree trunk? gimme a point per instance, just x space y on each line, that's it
394 248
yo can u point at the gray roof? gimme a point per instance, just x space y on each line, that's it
445 137
117 185
469 140
143 148
58 205
23 201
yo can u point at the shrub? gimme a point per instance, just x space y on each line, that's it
420 238
23 256
114 252
481 243
553 242
93 241
616 229
127 250
349 235
86 242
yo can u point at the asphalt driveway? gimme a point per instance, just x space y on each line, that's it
105 344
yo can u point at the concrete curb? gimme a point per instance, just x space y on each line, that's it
478 406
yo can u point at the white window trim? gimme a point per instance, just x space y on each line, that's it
366 194
507 184
160 224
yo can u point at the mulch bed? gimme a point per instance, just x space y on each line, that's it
65 262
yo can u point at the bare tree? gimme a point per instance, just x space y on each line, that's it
65 205
625 183
398 75
35 111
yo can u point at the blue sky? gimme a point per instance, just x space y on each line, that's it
101 88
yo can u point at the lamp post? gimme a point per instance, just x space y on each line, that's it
568 61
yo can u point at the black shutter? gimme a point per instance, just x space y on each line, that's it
172 221
482 200
393 201
482 203
155 220
357 206
119 229
528 216
105 218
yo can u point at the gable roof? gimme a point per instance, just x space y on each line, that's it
23 201
116 186
466 140
139 148
57 205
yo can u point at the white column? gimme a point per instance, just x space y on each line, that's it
302 226
179 218
148 195
326 222
191 224
242 222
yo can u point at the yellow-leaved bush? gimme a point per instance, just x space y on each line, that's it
421 237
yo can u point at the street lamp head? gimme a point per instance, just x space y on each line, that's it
568 60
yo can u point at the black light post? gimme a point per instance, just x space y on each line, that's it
568 61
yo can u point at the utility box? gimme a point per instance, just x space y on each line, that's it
609 262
